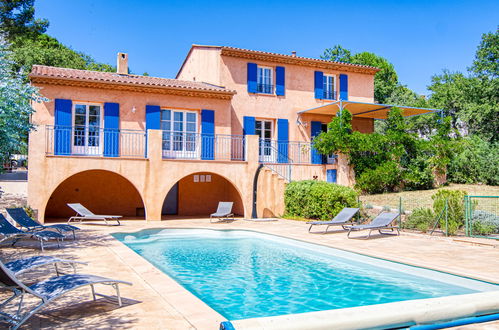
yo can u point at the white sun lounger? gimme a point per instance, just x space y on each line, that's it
82 213
224 212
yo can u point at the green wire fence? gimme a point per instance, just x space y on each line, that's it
474 216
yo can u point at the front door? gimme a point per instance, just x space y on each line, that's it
87 122
263 128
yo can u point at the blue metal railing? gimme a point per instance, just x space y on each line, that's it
185 145
330 95
94 141
265 88
295 152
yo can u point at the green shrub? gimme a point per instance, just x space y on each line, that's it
386 177
369 206
455 205
476 163
421 218
484 223
387 208
317 199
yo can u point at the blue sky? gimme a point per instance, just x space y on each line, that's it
419 37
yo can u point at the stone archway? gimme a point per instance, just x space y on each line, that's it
101 191
198 194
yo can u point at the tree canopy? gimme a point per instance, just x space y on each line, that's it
31 45
16 96
407 153
385 81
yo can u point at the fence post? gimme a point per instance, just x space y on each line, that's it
446 219
466 228
400 212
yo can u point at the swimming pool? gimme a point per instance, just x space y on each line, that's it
244 274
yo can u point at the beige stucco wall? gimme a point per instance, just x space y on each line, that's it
152 177
202 64
299 95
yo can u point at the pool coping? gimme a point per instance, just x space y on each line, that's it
200 315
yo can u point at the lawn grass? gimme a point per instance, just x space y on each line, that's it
422 198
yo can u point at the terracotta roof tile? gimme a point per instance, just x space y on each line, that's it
296 57
124 79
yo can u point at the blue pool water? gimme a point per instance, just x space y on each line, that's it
243 274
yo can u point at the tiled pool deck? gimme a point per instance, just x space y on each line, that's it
157 302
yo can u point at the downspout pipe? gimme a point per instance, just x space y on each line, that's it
458 322
254 214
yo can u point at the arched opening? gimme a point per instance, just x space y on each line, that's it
198 194
102 192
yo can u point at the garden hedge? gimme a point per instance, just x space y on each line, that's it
313 199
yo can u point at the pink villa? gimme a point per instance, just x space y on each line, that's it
234 125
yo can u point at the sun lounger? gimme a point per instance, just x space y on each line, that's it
224 211
8 231
24 220
381 222
20 266
47 291
341 219
82 213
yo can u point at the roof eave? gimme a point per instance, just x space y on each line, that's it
32 76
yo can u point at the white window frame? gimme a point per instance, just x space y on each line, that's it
271 157
87 150
271 77
183 152
333 85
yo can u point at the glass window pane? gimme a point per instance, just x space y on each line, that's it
258 124
190 127
191 117
166 114
94 110
166 125
93 121
178 116
178 126
79 120
268 125
80 109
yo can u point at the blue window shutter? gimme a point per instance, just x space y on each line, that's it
331 176
252 77
248 125
153 119
319 84
343 87
207 134
111 129
62 129
280 80
315 129
282 140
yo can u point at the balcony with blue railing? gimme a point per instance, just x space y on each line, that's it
265 88
329 95
294 152
199 146
94 141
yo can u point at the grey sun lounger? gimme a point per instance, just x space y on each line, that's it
8 231
20 266
224 212
82 213
47 291
341 219
20 216
381 222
